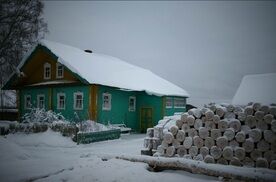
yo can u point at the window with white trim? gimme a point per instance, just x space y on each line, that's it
27 102
78 100
106 101
132 103
179 102
61 101
60 70
47 71
40 101
169 102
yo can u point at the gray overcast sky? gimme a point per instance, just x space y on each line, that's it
204 47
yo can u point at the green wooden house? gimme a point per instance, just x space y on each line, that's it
102 88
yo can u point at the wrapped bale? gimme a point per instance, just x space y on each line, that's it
179 123
188 142
198 124
269 136
248 145
216 119
193 151
209 115
233 144
195 112
222 161
161 150
248 162
209 159
215 152
227 153
190 120
240 137
261 162
265 109
180 136
235 162
239 152
256 106
268 118
192 132
222 142
220 111
263 146
198 157
250 121
203 132
255 154
229 134
181 151
168 138
272 110
270 155
246 129
229 115
273 126
215 133
170 151
204 151
185 127
209 142
235 124
248 110
174 130
175 143
210 125
273 165
262 125
241 116
198 142
158 132
184 117
255 134
223 125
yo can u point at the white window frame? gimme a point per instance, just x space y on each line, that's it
108 108
75 101
38 101
62 70
58 101
179 99
26 106
132 108
47 65
166 104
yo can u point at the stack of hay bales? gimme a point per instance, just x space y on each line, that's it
224 134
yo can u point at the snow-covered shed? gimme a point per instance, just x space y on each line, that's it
256 88
95 86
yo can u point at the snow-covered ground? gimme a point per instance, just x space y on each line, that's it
50 157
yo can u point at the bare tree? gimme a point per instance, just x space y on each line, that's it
21 26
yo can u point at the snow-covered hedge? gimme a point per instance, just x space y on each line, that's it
41 115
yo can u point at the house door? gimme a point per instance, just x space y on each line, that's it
145 119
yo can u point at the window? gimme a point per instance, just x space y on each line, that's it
59 73
179 102
60 101
106 101
132 103
28 102
168 102
78 100
40 101
47 71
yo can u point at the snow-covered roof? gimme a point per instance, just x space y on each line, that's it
256 88
111 71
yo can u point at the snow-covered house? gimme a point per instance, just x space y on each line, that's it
256 88
69 80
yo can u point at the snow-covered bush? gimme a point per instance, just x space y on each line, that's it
92 126
41 115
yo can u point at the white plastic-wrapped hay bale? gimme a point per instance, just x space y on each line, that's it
235 162
248 110
269 155
233 144
195 112
175 143
193 151
185 127
192 132
248 162
246 129
209 159
220 111
198 157
209 115
161 150
203 132
188 142
250 121
255 154
259 115
268 118
198 142
229 115
261 162
222 142
227 153
240 137
179 123
229 134
265 109
204 151
168 137
262 125
216 119
190 120
180 136
273 165
263 146
174 130
272 110
184 117
235 124
181 151
209 142
239 152
222 161
241 116
170 151
255 134
215 133
248 145
164 144
223 125
198 124
256 106
269 136
209 124
215 152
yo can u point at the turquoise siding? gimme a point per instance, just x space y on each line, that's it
172 110
119 112
69 111
150 101
33 93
